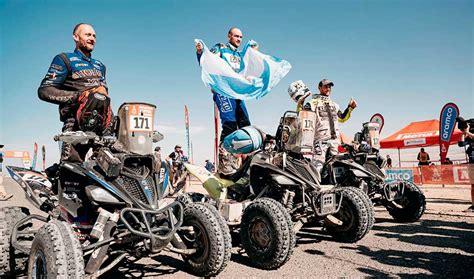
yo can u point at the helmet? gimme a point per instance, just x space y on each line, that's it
297 89
243 141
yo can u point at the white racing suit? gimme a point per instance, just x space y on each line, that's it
326 135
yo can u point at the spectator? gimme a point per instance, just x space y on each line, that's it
448 162
3 194
423 158
389 162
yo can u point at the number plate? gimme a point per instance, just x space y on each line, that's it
140 118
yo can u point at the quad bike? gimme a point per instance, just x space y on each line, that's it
107 209
363 166
279 174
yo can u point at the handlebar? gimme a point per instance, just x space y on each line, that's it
80 137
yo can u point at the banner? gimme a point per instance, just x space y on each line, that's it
462 174
399 174
23 155
35 156
447 121
43 151
186 120
378 118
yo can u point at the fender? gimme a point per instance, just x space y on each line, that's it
33 183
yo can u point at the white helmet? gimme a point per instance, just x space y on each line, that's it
297 89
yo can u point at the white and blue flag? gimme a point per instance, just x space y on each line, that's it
259 74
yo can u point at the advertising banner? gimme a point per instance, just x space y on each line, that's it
35 156
378 118
399 174
447 121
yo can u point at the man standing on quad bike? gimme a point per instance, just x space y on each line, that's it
233 112
69 82
328 115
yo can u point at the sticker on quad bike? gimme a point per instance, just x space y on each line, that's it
140 118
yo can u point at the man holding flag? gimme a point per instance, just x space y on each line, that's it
235 76
233 112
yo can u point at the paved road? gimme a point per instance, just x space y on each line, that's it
441 244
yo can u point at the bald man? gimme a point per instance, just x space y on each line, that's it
233 112
72 73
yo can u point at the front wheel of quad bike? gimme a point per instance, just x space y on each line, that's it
56 253
370 206
355 216
209 237
410 207
12 262
266 232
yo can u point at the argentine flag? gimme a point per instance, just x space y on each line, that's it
260 73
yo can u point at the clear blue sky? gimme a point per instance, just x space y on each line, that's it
404 59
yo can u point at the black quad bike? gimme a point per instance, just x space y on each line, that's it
108 209
363 166
280 173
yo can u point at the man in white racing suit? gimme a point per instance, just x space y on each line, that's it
328 115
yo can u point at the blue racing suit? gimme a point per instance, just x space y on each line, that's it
233 112
68 75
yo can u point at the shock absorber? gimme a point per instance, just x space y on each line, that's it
289 202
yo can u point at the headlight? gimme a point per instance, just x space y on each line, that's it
100 195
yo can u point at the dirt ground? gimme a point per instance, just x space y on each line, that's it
440 245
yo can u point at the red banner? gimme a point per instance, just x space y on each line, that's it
447 121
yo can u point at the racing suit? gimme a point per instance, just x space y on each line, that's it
68 75
326 137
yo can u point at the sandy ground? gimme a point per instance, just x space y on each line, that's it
440 245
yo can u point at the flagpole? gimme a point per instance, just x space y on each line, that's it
216 136
186 117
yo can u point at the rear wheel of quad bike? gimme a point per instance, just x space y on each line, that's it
56 253
208 237
354 214
266 232
410 207
12 262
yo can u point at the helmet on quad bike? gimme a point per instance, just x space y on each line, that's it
94 113
243 141
297 89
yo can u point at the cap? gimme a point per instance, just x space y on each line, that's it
1 145
325 82
178 146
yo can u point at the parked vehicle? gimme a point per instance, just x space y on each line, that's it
276 169
363 166
107 209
